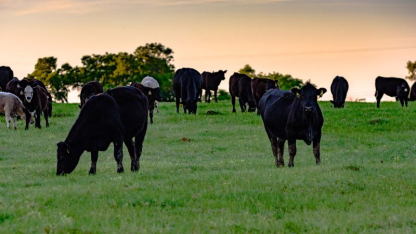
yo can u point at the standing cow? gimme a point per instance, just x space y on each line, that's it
339 89
393 87
89 89
150 87
211 81
240 86
36 102
292 116
33 83
10 106
6 75
259 87
187 84
412 94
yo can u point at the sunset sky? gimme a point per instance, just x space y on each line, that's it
309 39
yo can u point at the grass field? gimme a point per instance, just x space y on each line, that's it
216 174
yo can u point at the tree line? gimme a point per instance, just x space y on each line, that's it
152 59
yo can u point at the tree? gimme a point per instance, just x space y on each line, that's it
248 70
411 67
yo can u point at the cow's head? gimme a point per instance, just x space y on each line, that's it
271 84
402 91
191 106
28 93
66 159
251 106
337 104
222 74
308 95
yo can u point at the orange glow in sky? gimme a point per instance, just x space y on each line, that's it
310 39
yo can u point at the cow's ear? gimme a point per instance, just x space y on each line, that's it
225 71
18 86
296 91
320 92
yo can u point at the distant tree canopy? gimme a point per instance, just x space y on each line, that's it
286 82
411 67
111 70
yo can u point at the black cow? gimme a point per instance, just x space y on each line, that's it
259 87
89 89
393 87
211 81
36 102
187 84
292 116
116 116
33 83
240 86
6 75
412 95
14 88
152 95
339 89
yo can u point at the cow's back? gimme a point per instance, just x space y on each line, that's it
6 75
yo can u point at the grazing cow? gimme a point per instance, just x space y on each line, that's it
89 89
187 84
10 106
6 75
339 89
36 102
211 81
240 86
116 116
292 116
259 87
150 87
33 83
393 87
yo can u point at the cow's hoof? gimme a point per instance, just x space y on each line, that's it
291 165
91 172
120 170
134 168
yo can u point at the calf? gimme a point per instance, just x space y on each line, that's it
152 94
36 102
118 115
187 84
211 81
339 89
292 116
33 83
393 87
10 106
259 87
89 89
240 86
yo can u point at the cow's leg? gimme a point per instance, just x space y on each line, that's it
132 151
233 102
8 120
215 95
13 121
292 151
405 101
378 97
157 107
317 151
139 145
402 101
94 158
37 119
209 96
46 114
28 118
242 105
118 155
177 104
280 151
151 116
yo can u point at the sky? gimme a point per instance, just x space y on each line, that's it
310 39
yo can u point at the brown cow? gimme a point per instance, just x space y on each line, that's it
36 102
240 86
259 86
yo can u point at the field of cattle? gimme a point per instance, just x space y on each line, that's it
214 172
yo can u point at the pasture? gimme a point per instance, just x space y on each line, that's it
215 173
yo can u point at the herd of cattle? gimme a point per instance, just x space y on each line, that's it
120 114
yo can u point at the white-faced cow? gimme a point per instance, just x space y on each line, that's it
393 87
36 102
33 83
292 116
10 106
89 89
116 116
211 81
187 84
240 86
150 87
339 89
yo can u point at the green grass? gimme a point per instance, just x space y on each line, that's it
215 173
